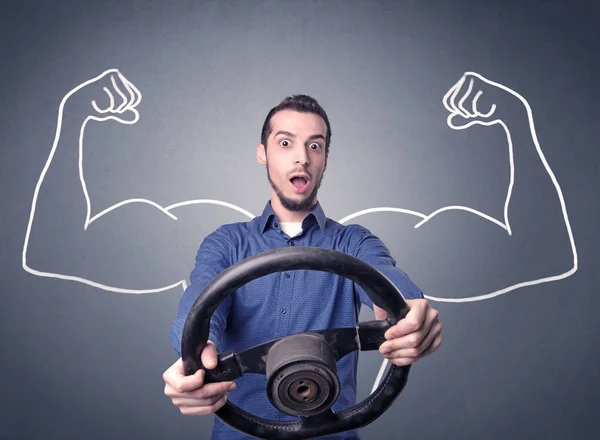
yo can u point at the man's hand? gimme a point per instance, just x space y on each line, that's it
189 393
414 337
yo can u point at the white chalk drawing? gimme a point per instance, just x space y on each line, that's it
458 109
129 103
452 101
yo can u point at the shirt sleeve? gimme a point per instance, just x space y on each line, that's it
370 249
212 258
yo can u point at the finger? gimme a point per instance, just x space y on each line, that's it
136 92
132 96
125 82
435 344
463 123
432 347
211 389
477 112
111 101
411 323
408 342
452 99
111 98
449 93
411 350
181 385
413 339
204 410
209 356
98 109
402 361
124 101
464 98
189 402
406 359
456 98
474 103
176 382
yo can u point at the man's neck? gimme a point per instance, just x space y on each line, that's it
285 215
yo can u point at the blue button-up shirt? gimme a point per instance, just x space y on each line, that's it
284 303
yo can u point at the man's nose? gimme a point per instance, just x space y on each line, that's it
301 156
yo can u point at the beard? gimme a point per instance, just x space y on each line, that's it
293 205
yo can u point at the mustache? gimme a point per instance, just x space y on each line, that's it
301 171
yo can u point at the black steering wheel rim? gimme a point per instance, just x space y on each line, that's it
378 287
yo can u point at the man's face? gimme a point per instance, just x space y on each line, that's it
295 157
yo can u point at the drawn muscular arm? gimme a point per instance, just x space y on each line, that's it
134 246
459 254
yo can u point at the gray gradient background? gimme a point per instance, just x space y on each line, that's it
81 363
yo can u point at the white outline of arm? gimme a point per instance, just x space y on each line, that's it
128 104
451 94
451 107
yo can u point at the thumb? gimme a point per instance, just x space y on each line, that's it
128 116
209 355
458 121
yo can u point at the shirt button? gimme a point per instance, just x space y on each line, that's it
292 243
287 275
283 311
275 224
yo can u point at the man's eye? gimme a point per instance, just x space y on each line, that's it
284 143
315 146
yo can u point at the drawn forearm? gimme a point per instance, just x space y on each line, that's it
534 194
58 194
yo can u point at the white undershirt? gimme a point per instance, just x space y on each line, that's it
291 228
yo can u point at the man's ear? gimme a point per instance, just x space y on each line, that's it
261 154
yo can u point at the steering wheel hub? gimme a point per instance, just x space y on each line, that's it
301 375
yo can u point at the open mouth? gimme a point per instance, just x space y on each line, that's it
300 183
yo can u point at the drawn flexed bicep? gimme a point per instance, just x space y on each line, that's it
460 241
134 246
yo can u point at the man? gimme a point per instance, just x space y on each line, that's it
294 148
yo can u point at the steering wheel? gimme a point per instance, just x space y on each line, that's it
301 368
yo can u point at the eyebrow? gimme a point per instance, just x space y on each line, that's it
285 133
292 135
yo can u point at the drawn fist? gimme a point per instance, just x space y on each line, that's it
111 95
464 102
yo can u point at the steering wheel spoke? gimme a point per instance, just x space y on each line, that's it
228 368
232 365
371 334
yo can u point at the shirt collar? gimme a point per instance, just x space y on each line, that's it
268 216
